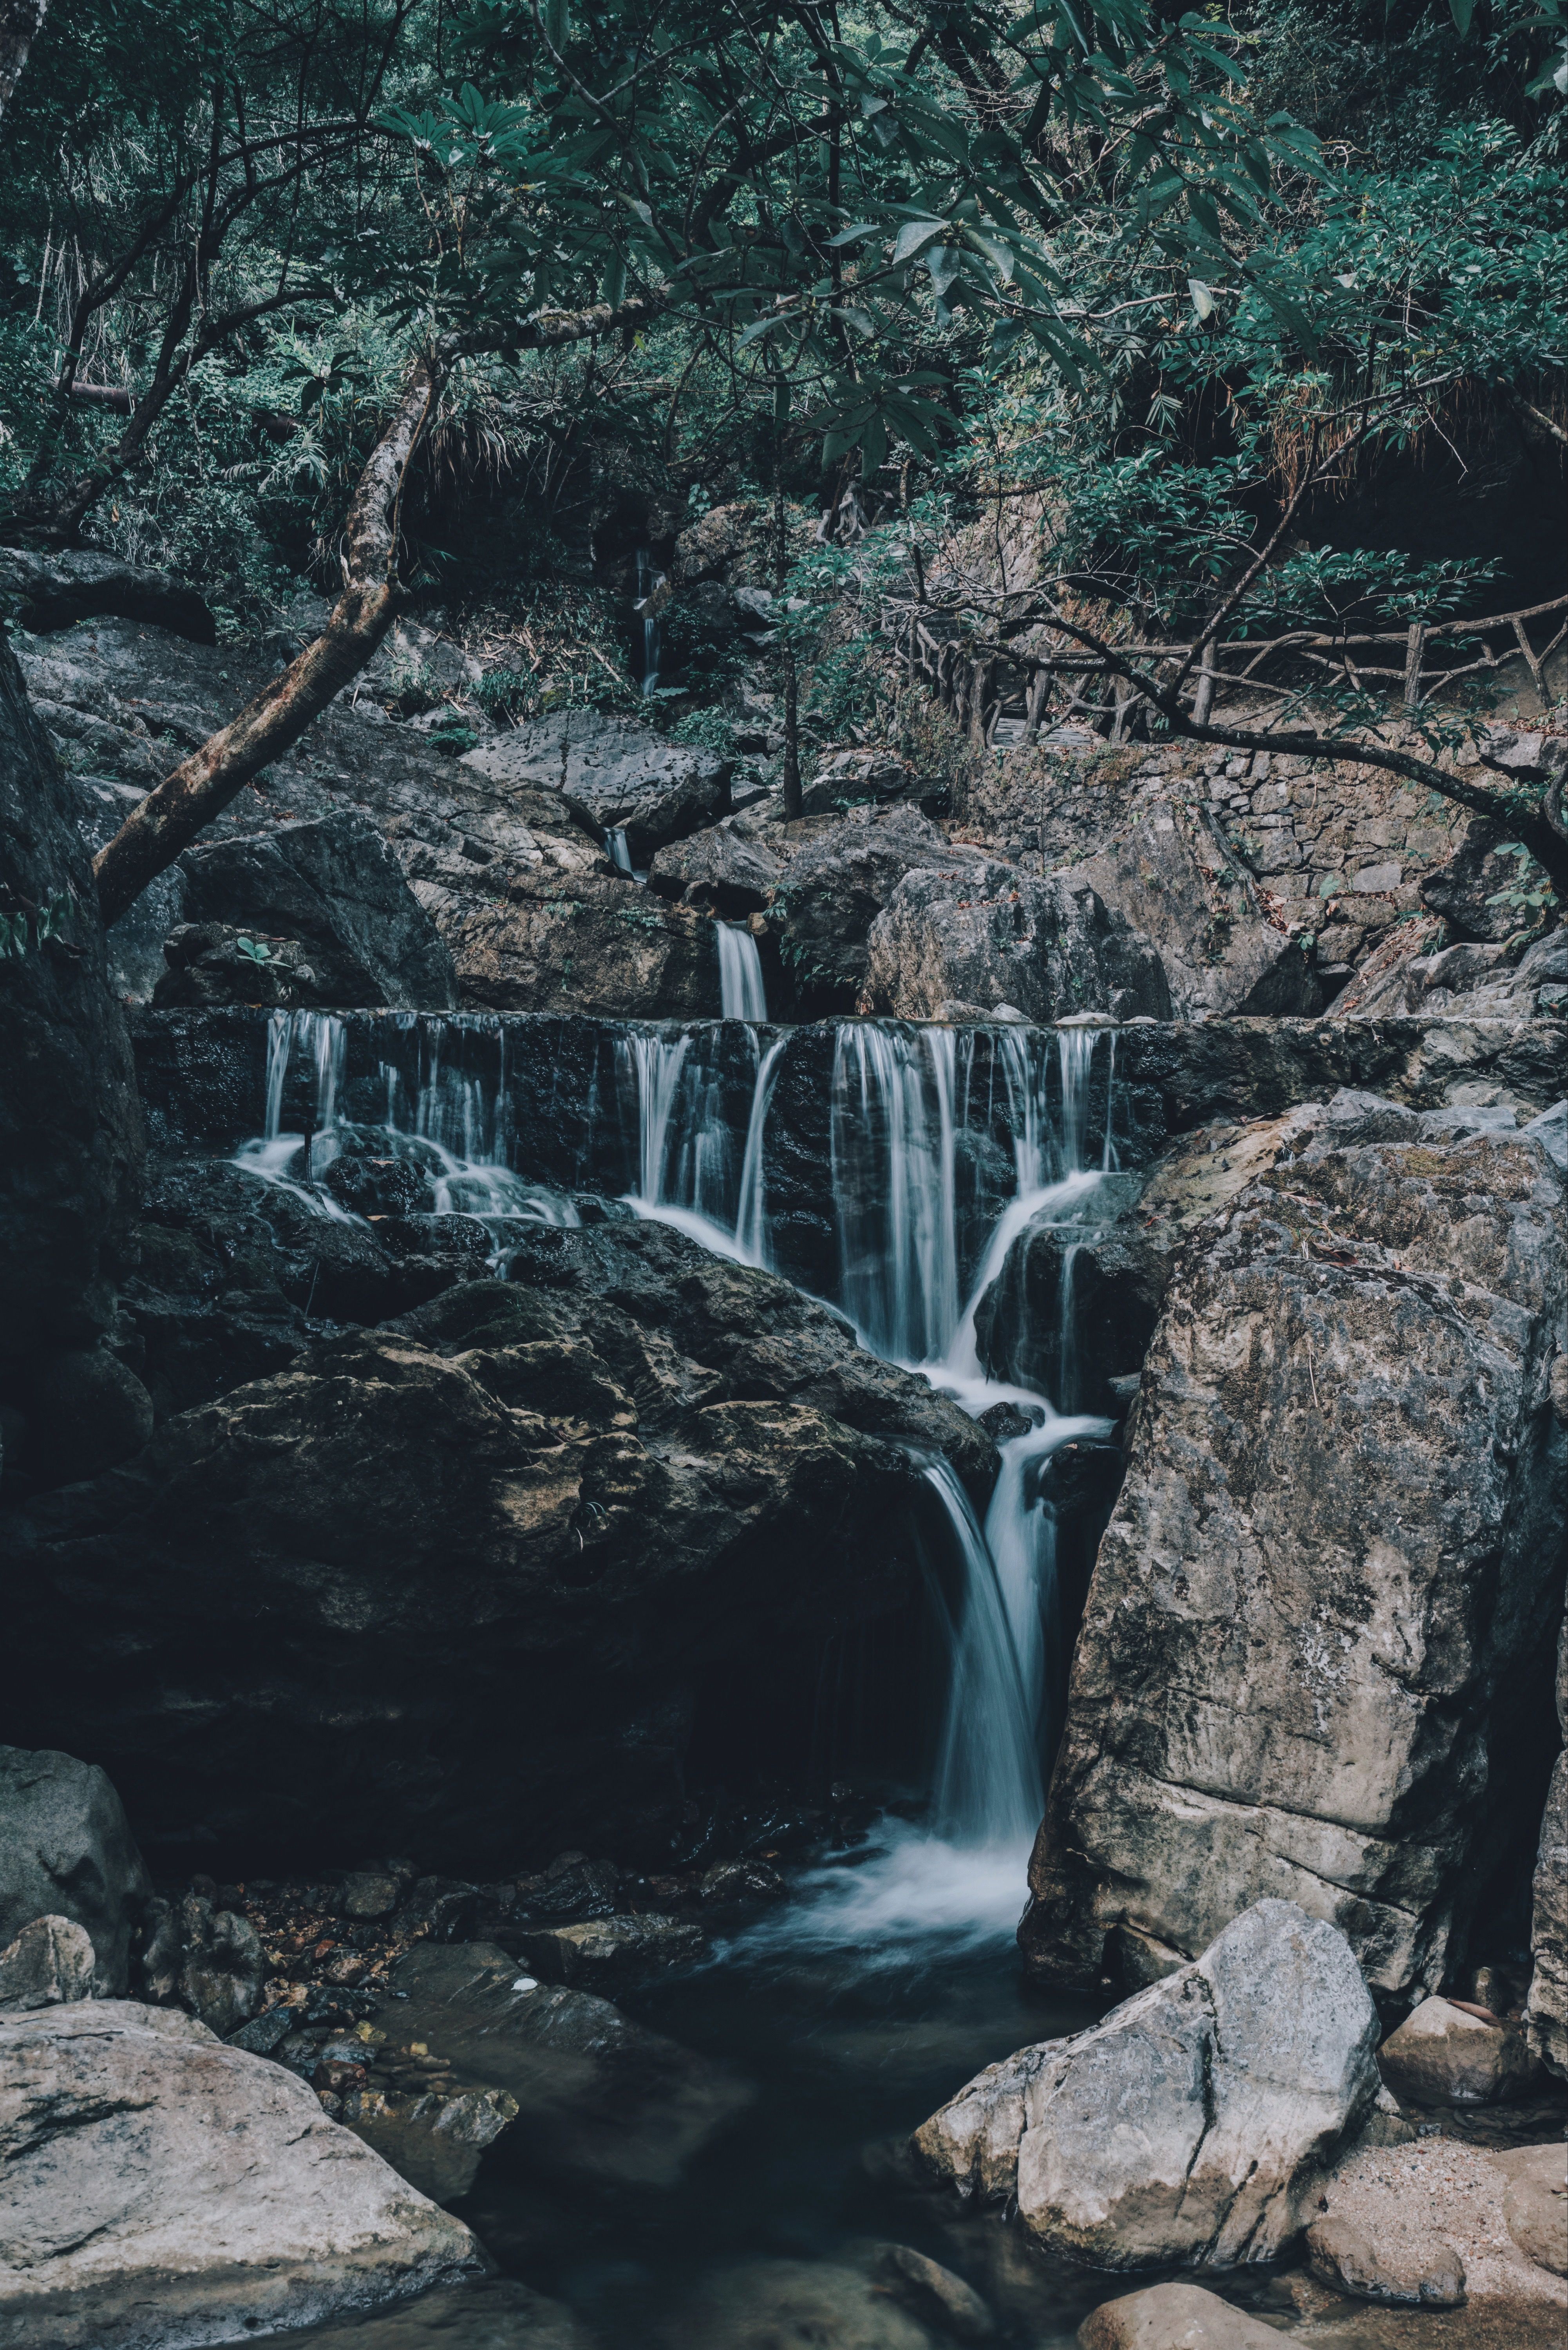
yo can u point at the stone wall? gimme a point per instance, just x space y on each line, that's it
1342 847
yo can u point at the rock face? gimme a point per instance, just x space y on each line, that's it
588 942
614 775
1479 891
1521 979
996 936
1546 2009
1443 2056
71 1129
55 591
67 1851
157 2182
626 1472
332 883
719 869
1306 1660
1187 2126
839 877
1173 880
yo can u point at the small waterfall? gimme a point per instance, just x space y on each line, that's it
751 1224
894 1187
741 992
987 1785
647 580
619 852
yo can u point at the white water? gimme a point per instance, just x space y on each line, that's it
740 990
620 850
645 581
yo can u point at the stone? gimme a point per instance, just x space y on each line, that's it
1479 892
332 883
88 1411
67 1851
1340 2257
1173 2317
148 2166
605 1951
613 774
368 1893
1546 2005
1535 2202
435 2138
847 778
1442 2055
1436 2209
697 1439
706 547
1187 2125
209 1960
1171 877
588 942
598 2099
222 963
779 2304
54 591
932 2292
49 1964
718 870
839 877
996 935
70 1125
1340 1455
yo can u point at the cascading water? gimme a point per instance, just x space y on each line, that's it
647 579
621 851
740 990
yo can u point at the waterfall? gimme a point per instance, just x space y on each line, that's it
620 853
647 580
892 1146
740 994
751 1225
987 1786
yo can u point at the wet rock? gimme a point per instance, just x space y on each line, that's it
148 2165
264 2035
1347 1394
1479 892
606 1953
49 1964
588 942
87 1412
997 936
1175 882
931 2293
435 2138
1340 2257
1229 2082
598 2099
332 883
734 1882
368 1894
572 1887
54 591
1535 2202
208 1960
780 2305
1443 2056
215 962
613 774
70 1126
492 2313
839 877
67 1851
1173 2317
717 869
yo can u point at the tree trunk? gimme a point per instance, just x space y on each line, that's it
21 21
169 818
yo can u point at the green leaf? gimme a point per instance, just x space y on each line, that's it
914 237
1461 12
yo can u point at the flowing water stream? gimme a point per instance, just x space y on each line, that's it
888 1977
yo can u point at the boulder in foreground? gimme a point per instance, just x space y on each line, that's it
1173 2317
1186 2125
159 2187
1442 2055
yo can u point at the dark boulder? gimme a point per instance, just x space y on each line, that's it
1484 890
719 869
49 592
961 944
840 876
67 1851
613 774
332 883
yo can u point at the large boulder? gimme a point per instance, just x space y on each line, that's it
1187 2125
720 869
67 1851
1444 2055
614 775
70 1128
49 592
160 2186
318 1608
588 942
1310 1659
1173 880
840 875
332 883
968 942
1484 889
1546 2010
1173 2317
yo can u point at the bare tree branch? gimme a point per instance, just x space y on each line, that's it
21 22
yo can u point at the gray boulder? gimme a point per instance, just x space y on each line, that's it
614 773
1173 2317
67 1851
1512 980
48 592
1331 1572
1546 2009
49 1964
1443 2056
719 869
1479 892
1189 2124
332 883
208 1961
587 940
840 876
994 935
1175 881
160 2186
